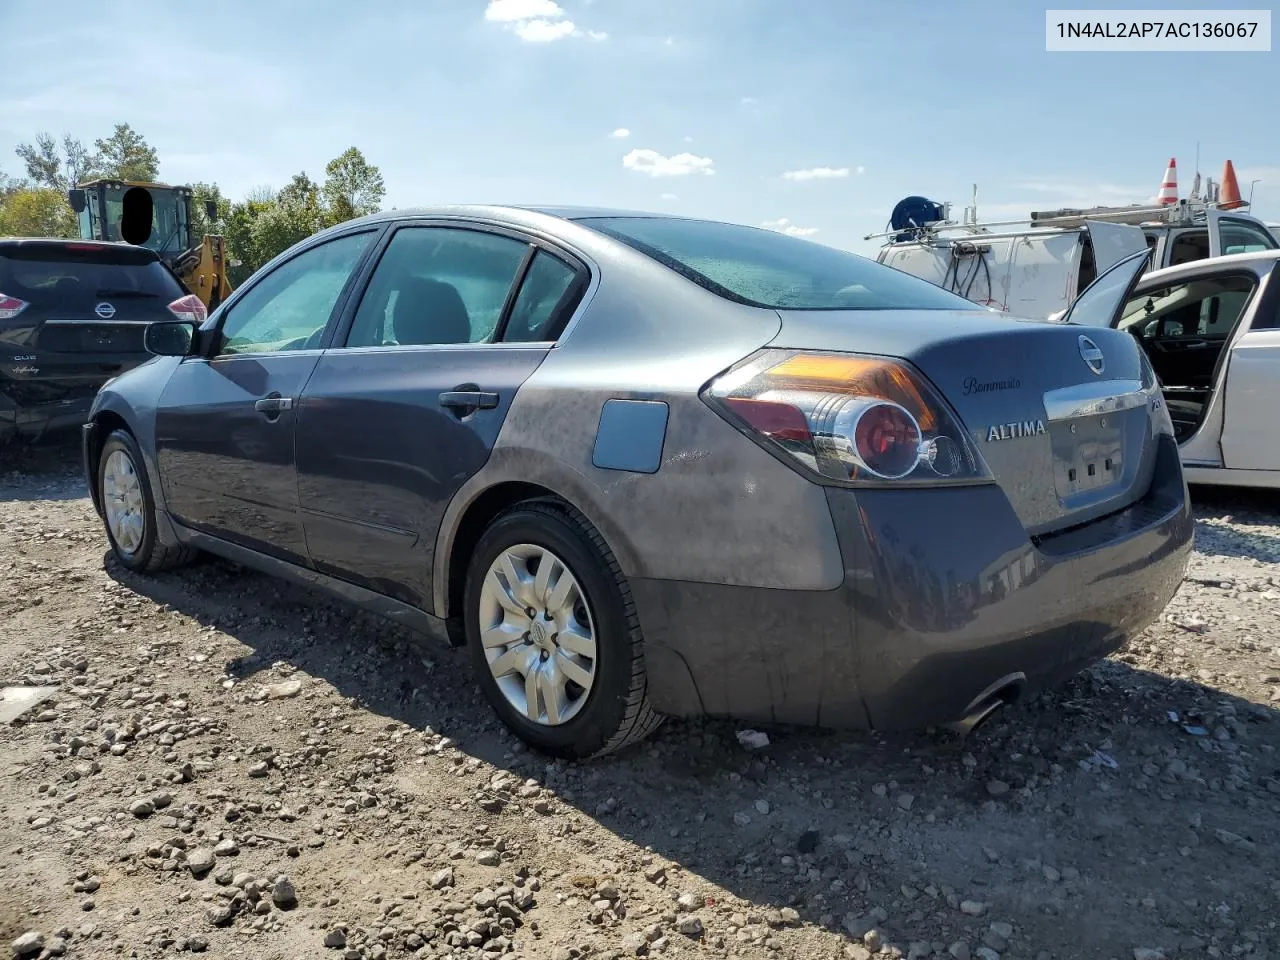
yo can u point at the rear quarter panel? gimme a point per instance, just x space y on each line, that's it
719 509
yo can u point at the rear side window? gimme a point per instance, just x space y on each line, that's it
47 277
548 295
437 285
763 268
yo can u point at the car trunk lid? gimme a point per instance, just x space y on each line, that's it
1057 411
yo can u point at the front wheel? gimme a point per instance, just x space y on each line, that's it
553 633
129 510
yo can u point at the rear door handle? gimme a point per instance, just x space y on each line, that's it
469 399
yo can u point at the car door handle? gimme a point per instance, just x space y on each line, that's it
469 399
272 407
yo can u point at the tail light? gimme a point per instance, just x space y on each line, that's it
849 418
190 308
10 307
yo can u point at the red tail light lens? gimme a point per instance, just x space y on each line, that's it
10 307
848 418
190 308
887 440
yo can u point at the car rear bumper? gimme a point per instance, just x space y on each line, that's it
944 597
30 420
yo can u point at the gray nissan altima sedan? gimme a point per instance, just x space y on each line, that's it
643 465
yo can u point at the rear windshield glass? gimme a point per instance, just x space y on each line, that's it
765 268
53 276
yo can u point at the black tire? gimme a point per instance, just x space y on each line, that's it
617 711
151 555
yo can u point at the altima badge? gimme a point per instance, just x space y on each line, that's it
1092 355
1011 431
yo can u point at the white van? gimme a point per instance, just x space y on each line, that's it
1039 270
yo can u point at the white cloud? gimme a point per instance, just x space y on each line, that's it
537 21
748 102
783 225
817 173
656 165
688 139
544 31
621 133
514 11
669 196
860 171
670 41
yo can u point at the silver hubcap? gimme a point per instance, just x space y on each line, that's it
122 499
537 634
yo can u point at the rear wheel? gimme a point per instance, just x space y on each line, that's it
129 510
553 633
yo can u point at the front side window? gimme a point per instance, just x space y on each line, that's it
764 268
437 285
289 308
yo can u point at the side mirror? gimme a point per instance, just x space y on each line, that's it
211 210
169 338
77 200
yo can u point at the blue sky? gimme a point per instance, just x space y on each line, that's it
519 101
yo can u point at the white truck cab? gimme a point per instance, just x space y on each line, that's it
1040 267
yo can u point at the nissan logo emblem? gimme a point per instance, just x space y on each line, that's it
1092 356
105 310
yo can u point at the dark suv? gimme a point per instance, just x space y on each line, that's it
72 316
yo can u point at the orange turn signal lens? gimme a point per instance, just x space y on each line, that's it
849 418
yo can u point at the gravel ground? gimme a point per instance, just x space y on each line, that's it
235 767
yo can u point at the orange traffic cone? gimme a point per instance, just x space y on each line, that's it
1168 194
1229 197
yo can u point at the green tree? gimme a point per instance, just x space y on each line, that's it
38 212
238 230
278 228
302 192
268 223
8 185
352 187
200 223
56 166
126 155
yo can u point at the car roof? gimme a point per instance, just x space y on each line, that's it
50 243
1259 261
513 214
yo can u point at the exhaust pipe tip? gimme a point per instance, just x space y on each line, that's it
985 705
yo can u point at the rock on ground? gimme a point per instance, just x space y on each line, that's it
388 814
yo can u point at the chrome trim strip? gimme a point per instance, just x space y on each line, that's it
1092 399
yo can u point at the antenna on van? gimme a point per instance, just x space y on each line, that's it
971 211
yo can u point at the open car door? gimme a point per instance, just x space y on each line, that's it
1249 431
1112 242
1233 232
1101 302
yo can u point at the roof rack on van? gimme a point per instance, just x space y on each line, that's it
1185 211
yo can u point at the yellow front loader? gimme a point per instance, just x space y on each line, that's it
100 204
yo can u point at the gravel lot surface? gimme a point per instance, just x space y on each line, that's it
232 766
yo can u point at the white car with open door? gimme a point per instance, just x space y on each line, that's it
1211 330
